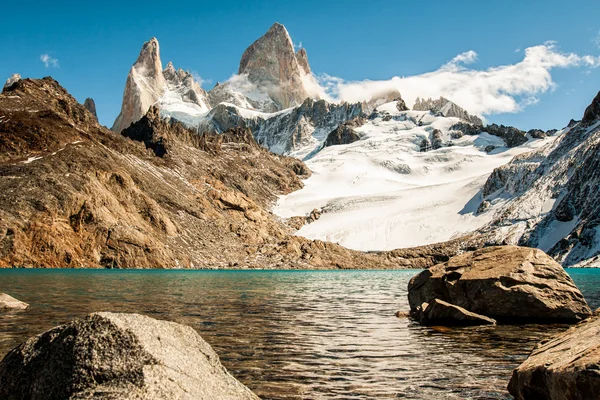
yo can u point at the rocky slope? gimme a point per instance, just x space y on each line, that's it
74 194
549 198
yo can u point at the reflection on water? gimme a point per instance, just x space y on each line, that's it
294 334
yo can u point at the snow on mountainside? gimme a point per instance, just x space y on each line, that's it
549 198
382 192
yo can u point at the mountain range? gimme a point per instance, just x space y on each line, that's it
262 171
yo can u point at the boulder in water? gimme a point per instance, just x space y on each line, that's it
507 283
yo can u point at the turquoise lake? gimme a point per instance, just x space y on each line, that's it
295 334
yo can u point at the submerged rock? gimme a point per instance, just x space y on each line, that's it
10 303
439 312
565 367
117 356
507 283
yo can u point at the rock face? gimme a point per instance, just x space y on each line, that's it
512 136
344 134
553 198
507 283
175 91
271 63
10 303
11 81
124 356
592 112
439 312
145 84
563 368
90 105
298 131
446 108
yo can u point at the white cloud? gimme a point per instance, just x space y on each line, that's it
49 61
507 88
198 79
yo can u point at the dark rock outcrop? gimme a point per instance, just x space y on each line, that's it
592 112
512 136
117 356
507 283
90 105
436 139
10 303
536 133
344 134
562 368
439 312
466 128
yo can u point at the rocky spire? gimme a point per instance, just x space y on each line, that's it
145 84
90 105
302 58
272 65
446 108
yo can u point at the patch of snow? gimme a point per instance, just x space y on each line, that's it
381 193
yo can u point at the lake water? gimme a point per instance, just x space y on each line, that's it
295 334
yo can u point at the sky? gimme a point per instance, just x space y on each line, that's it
530 64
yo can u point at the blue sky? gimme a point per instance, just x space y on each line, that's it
96 43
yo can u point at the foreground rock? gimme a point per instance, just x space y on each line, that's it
507 283
566 367
439 312
117 356
10 303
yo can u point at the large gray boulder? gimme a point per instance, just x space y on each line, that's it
507 283
10 303
117 356
567 367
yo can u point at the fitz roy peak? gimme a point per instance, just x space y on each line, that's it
271 63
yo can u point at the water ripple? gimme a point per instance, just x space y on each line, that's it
294 334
